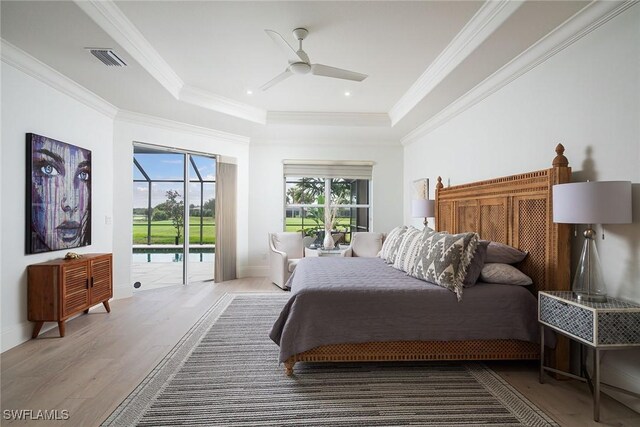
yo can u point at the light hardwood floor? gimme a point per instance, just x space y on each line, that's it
103 357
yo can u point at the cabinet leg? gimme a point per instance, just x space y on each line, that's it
61 328
36 329
86 311
106 306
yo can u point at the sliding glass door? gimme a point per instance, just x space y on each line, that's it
173 197
202 227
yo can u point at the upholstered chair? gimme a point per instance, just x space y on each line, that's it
365 244
285 250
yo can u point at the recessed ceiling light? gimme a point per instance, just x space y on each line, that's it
347 93
249 92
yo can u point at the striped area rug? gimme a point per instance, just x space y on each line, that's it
224 372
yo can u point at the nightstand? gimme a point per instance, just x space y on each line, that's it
341 252
610 325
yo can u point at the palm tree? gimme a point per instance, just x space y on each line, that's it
306 191
311 190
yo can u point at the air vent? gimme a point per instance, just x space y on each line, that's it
107 57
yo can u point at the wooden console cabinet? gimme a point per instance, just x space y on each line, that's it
62 288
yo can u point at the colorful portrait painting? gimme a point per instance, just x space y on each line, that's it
58 195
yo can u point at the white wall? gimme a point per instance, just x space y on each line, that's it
28 105
266 187
31 106
587 98
168 134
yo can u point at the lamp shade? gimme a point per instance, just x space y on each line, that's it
598 202
423 208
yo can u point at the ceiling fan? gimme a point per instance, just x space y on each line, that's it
299 61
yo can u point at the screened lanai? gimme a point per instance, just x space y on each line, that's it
173 197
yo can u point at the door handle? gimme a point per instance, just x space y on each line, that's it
92 282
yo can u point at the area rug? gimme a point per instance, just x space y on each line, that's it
225 372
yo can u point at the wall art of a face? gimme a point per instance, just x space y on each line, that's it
59 195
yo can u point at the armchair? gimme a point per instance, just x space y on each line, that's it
365 244
285 250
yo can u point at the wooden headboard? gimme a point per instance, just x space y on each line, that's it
516 210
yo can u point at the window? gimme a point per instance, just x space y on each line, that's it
312 188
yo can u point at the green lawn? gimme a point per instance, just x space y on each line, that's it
295 224
163 232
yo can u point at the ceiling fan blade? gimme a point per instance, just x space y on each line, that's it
277 79
338 73
291 53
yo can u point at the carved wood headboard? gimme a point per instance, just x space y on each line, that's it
516 210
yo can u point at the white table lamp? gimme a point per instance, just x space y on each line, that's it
423 208
604 202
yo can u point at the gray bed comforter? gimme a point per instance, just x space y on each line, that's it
351 300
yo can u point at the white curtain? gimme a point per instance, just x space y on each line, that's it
225 260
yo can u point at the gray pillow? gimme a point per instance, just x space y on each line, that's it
473 272
504 274
504 254
444 259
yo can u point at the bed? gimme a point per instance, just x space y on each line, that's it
363 321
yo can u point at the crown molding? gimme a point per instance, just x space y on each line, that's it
171 125
111 19
337 143
573 29
203 98
328 119
31 66
114 22
487 19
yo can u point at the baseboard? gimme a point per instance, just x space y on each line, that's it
20 333
621 370
253 271
124 291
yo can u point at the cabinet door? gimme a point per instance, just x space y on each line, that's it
75 288
101 288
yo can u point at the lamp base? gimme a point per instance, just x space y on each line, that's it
588 284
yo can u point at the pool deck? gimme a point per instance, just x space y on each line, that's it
153 275
168 248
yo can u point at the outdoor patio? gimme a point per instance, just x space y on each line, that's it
153 275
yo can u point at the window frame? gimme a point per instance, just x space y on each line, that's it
328 204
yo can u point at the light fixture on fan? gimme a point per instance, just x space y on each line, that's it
602 202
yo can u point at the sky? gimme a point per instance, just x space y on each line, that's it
170 166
